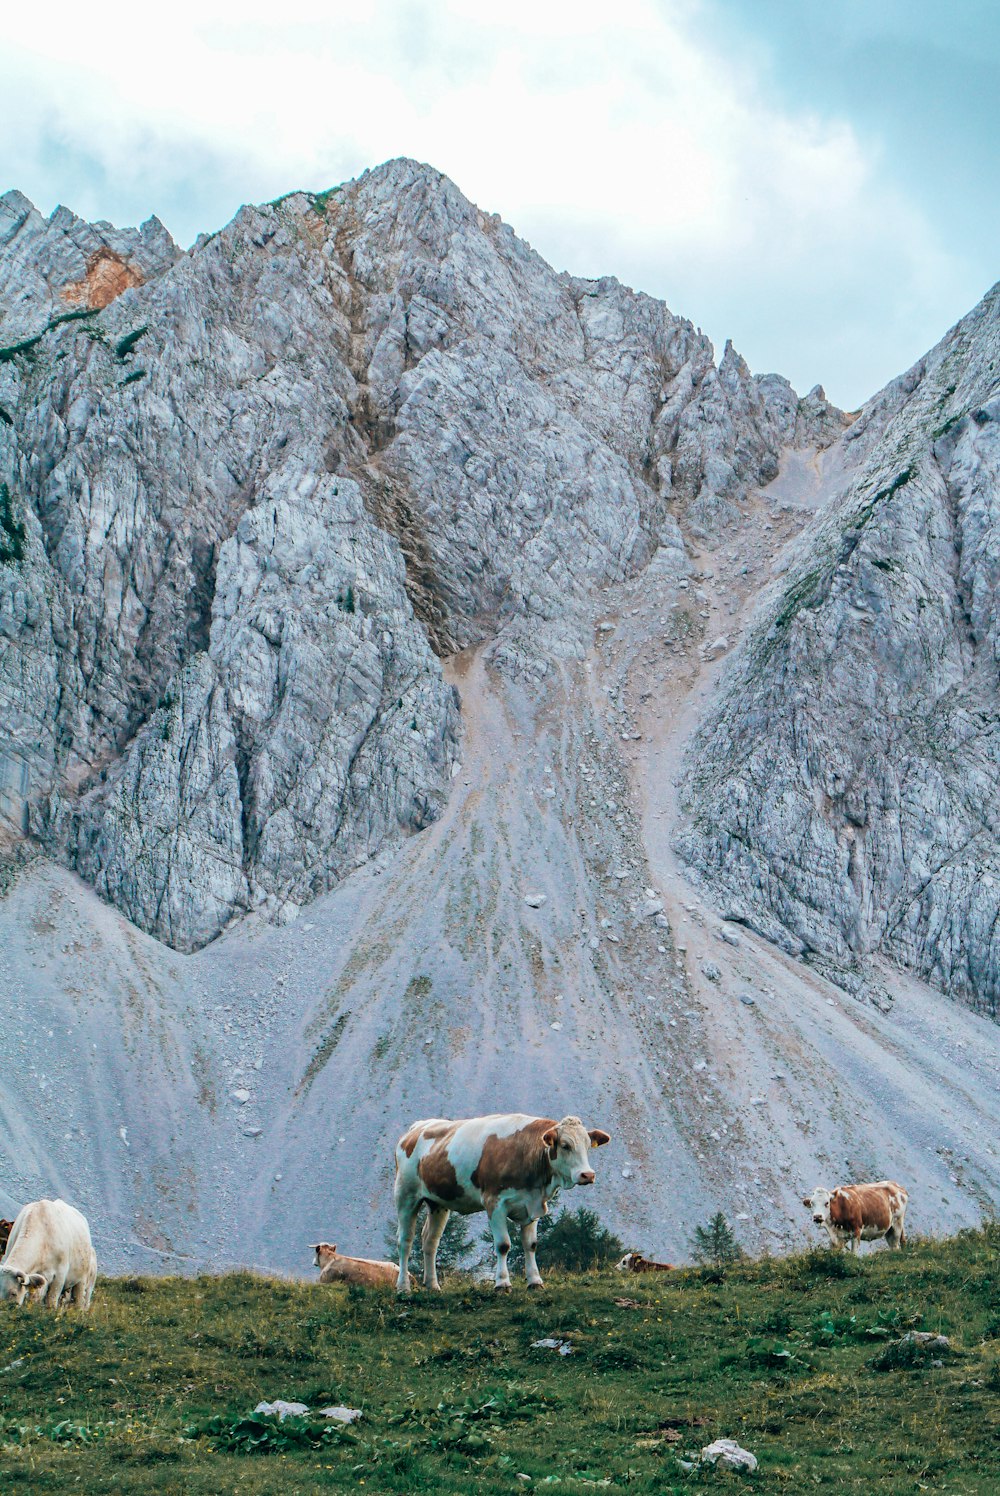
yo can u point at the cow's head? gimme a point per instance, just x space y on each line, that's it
819 1203
625 1266
324 1252
569 1144
14 1284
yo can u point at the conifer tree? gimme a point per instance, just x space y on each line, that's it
576 1241
715 1244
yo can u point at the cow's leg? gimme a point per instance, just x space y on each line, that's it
430 1236
81 1292
406 1227
50 1297
529 1236
501 1241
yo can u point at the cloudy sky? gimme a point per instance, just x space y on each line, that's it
816 179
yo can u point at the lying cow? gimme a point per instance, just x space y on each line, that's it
49 1253
338 1269
853 1213
634 1262
512 1166
5 1229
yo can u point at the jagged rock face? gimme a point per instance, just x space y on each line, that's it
62 262
291 748
266 485
843 793
713 446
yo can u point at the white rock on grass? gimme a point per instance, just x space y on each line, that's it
728 1454
282 1409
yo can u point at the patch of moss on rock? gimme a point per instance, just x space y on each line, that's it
11 530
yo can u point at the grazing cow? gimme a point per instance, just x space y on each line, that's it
512 1166
853 1213
338 1269
634 1262
49 1253
5 1229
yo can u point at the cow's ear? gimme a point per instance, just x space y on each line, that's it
598 1137
550 1138
34 1280
806 1201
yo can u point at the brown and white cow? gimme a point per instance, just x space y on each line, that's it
5 1230
634 1262
853 1213
510 1165
336 1268
49 1253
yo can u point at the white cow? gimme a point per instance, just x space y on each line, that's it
512 1166
49 1253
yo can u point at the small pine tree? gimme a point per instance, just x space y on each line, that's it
715 1244
579 1242
576 1241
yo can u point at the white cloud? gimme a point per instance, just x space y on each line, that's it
620 139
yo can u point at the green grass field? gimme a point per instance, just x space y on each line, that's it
149 1392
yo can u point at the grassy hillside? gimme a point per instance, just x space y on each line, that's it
148 1392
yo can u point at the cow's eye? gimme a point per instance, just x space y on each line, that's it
564 1145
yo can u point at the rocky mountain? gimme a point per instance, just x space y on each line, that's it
843 789
358 520
267 486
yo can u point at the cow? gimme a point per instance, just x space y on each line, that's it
510 1165
853 1213
5 1229
634 1262
49 1253
338 1269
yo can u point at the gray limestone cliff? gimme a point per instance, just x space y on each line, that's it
255 493
842 796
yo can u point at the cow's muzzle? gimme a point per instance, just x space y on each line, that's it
818 1220
587 1176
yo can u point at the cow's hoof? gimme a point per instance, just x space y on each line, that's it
502 1287
537 1283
